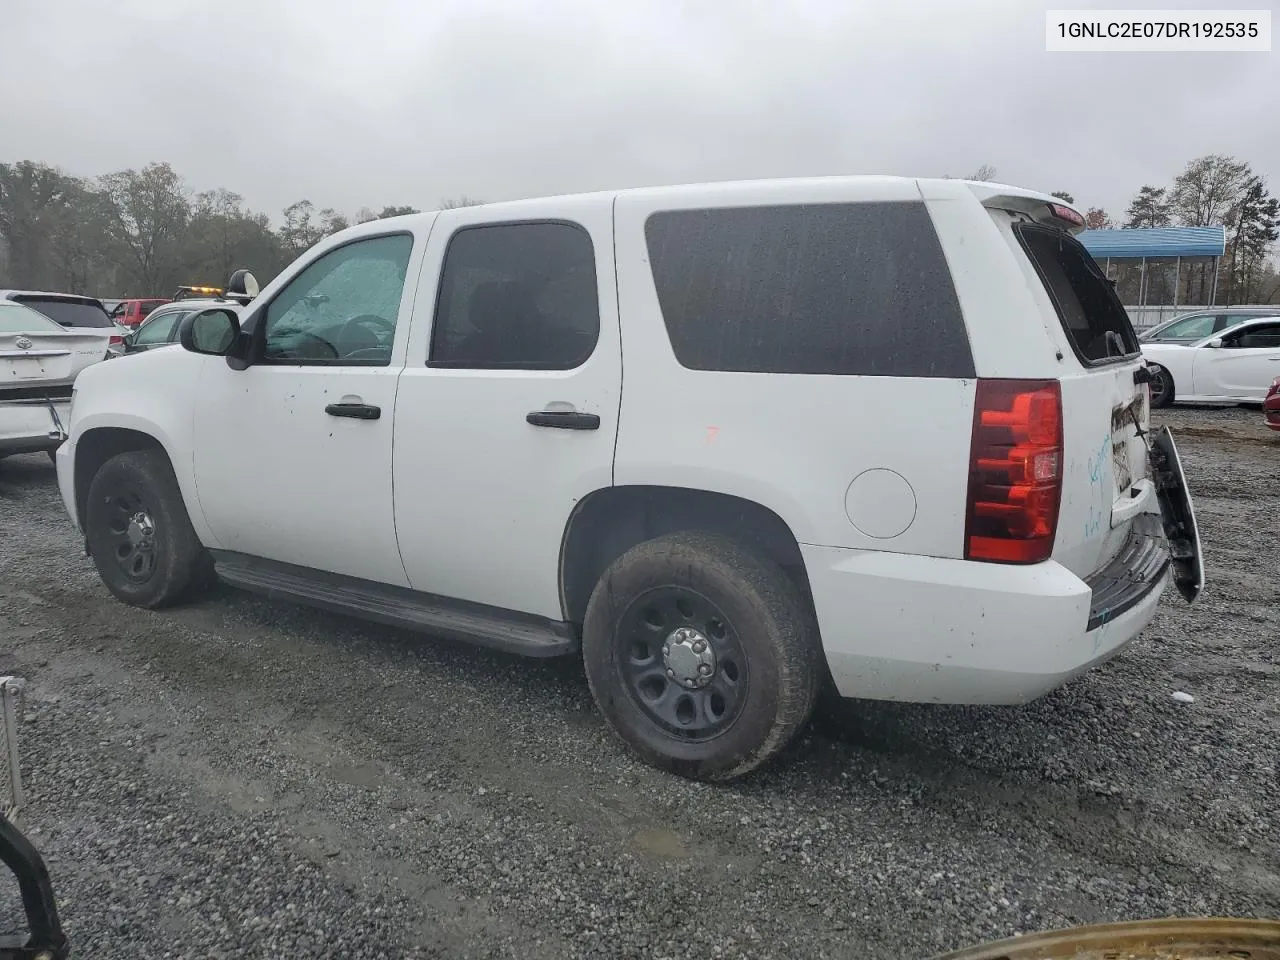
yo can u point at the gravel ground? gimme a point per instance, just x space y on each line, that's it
241 778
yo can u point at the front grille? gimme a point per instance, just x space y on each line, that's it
36 394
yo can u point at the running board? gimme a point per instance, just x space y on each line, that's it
398 607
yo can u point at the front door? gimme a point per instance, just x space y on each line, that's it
508 404
1243 367
293 454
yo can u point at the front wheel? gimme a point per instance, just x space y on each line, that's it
702 655
1161 386
138 531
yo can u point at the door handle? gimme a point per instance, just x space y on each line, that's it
563 419
356 411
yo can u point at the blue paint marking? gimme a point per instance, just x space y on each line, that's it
1102 629
1095 464
1094 523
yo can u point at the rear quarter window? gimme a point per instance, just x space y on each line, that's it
836 289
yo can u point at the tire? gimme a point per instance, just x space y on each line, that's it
139 534
760 648
1162 386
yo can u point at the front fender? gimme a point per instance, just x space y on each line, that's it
154 394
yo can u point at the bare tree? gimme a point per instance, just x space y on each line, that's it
985 173
463 201
1064 196
1207 189
148 211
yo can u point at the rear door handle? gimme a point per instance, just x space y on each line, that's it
563 419
356 411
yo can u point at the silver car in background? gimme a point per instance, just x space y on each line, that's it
39 362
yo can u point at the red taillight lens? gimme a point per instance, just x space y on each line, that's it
1063 212
1275 388
116 340
1015 471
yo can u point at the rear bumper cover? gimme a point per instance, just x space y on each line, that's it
930 629
1133 573
31 426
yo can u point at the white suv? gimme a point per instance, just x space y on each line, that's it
731 441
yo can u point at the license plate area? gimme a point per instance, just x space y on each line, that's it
24 368
1128 453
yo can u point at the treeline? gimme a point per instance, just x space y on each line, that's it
1211 191
143 233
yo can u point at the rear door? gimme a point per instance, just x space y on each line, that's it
507 410
1107 475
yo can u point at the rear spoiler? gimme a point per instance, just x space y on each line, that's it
1041 208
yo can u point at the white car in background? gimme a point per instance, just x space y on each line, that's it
1234 366
39 362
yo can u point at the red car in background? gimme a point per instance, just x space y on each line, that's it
132 312
1271 405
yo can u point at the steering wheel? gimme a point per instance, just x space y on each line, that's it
327 351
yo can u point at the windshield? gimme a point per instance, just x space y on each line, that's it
69 311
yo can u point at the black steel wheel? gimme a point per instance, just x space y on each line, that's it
702 654
1161 386
132 533
685 664
138 531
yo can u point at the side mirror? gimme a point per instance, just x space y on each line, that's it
242 286
210 332
1215 343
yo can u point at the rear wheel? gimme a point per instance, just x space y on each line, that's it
1161 386
702 655
138 531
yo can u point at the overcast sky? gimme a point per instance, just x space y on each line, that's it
407 101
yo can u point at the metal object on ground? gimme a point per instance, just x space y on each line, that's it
10 775
45 939
1171 939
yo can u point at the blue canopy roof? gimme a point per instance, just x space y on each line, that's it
1155 242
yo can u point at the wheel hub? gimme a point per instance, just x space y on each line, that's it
141 530
688 658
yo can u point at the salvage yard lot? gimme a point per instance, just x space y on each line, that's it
241 778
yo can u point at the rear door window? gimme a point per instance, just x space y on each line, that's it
836 289
1092 315
159 329
69 313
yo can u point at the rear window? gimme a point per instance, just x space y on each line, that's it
16 319
841 289
69 313
1091 313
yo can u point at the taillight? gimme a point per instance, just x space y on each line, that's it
1063 212
1275 388
115 340
1015 471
